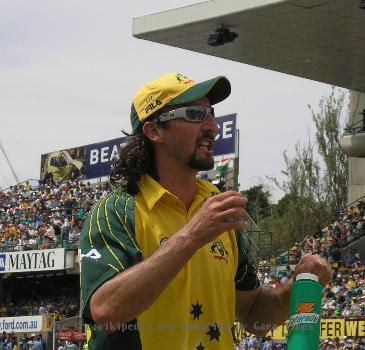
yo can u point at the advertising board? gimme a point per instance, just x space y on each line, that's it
94 160
32 260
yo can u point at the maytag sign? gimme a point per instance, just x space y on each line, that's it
33 260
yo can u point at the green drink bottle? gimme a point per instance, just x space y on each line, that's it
305 309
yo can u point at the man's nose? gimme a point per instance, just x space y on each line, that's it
210 123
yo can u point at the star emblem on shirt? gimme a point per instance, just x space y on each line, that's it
214 332
197 310
200 347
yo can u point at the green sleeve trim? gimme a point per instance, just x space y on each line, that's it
108 223
90 226
102 234
126 209
113 267
126 219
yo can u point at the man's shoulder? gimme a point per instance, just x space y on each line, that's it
117 192
116 198
111 213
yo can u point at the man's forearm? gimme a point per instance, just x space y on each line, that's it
131 292
269 309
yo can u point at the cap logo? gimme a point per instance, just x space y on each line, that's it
150 105
183 79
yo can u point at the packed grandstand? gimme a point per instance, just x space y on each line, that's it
44 216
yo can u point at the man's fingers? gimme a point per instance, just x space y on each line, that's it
224 195
234 200
233 214
304 267
316 265
234 224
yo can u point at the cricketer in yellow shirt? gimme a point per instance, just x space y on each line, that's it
197 309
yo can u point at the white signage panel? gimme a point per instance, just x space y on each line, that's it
33 260
26 324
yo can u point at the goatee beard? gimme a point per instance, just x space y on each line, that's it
200 165
204 164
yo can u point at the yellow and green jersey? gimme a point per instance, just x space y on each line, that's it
197 309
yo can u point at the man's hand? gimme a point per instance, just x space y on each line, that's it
316 265
219 213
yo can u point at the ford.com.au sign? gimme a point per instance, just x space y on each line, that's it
32 260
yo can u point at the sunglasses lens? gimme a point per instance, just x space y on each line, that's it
195 114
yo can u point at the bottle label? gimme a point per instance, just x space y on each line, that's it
304 318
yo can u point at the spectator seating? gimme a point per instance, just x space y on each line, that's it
46 216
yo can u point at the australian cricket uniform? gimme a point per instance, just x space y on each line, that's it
197 309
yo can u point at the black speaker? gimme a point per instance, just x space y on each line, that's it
221 36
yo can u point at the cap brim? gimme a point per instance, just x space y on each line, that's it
216 90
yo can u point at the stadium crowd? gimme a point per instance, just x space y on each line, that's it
45 216
254 343
51 216
327 242
9 341
58 308
56 296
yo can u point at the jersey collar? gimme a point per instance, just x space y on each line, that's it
152 191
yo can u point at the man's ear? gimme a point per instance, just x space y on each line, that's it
153 132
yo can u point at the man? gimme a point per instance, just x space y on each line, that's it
2 340
162 266
8 343
268 344
60 346
42 341
71 346
37 344
254 343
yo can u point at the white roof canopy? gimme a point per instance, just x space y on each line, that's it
322 40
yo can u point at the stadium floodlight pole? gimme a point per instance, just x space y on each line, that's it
8 160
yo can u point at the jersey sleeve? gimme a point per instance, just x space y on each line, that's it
107 245
246 278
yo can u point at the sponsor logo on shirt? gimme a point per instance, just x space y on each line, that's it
219 251
92 254
163 240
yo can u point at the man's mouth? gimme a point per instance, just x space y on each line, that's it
207 144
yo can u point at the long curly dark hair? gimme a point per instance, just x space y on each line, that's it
136 158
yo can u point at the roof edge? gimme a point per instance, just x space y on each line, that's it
194 13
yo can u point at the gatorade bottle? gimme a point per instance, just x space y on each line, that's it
305 308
